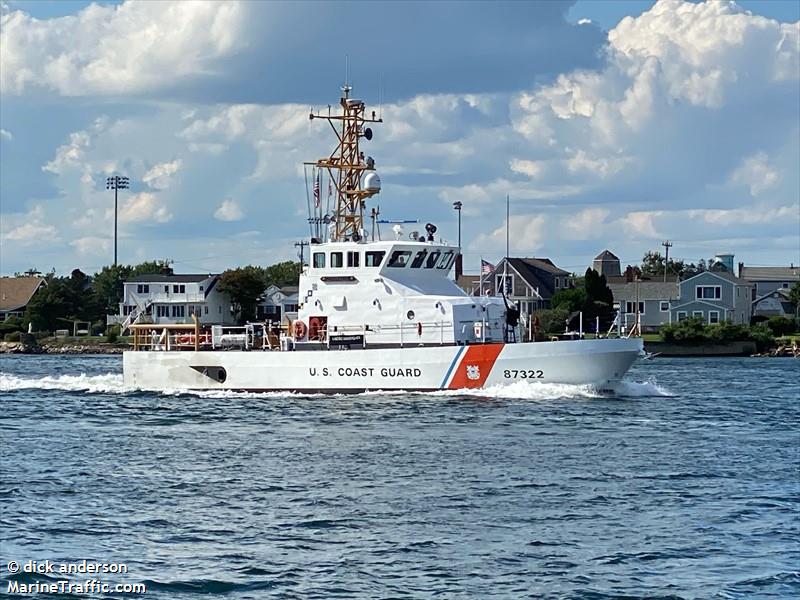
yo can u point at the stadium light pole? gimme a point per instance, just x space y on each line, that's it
116 183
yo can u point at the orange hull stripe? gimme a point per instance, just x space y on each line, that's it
482 356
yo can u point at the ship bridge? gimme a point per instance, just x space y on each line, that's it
390 293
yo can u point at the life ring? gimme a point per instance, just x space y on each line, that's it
299 330
185 340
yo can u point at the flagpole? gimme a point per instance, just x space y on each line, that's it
481 279
505 262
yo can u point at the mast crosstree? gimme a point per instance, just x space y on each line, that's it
346 166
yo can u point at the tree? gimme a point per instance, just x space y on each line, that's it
653 266
571 300
794 296
283 273
245 286
107 284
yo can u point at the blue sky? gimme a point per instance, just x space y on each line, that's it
610 124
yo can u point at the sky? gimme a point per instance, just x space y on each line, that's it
613 125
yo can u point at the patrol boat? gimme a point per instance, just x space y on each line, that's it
374 314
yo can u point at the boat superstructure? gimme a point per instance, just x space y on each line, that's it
374 313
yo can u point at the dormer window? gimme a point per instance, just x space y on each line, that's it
337 260
432 259
399 258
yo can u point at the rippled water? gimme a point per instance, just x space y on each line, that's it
683 486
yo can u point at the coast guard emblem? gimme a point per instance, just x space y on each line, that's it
473 372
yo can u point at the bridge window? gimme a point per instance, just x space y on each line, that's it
337 260
419 259
432 259
373 259
353 259
447 260
399 258
319 260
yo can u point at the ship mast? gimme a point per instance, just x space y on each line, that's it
349 164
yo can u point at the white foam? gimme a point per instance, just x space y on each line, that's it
96 384
111 383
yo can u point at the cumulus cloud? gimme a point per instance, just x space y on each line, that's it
92 246
228 211
28 228
756 173
6 135
159 177
144 207
525 234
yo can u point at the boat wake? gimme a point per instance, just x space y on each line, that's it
112 383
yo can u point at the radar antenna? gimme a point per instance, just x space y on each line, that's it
349 164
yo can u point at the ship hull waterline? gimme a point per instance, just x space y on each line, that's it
599 363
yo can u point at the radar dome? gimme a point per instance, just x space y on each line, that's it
372 183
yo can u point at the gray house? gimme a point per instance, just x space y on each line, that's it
714 297
648 301
769 279
530 282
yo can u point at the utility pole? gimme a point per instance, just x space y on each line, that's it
301 253
667 245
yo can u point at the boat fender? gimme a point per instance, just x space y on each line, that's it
299 330
419 328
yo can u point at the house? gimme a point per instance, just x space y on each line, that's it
713 296
278 303
16 293
469 283
644 301
171 298
769 279
530 282
774 304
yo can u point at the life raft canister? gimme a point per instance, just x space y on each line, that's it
299 330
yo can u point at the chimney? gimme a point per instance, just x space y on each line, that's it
741 268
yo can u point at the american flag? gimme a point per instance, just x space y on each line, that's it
316 190
486 267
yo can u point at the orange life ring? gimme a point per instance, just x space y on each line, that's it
299 330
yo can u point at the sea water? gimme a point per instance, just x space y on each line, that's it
683 484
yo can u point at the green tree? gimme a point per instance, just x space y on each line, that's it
571 300
283 273
245 286
599 298
653 266
794 295
107 283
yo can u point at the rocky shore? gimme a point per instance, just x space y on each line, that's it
30 345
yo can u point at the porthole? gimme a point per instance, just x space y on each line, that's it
410 315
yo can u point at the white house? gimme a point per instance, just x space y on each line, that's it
173 298
278 304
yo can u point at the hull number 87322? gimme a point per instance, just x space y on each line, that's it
523 374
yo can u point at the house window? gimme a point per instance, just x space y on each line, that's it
319 260
353 259
270 310
143 289
399 258
708 292
166 289
713 317
432 259
162 311
785 285
697 313
290 307
558 282
630 307
373 259
337 260
509 287
201 288
419 259
663 306
206 309
178 289
681 315
179 311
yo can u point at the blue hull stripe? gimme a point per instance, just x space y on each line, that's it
452 366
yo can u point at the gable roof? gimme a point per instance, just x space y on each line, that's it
790 273
721 274
647 290
606 255
783 292
160 278
16 292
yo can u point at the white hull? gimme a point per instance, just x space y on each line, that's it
594 362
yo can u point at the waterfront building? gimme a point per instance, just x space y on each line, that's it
714 296
278 303
530 282
16 293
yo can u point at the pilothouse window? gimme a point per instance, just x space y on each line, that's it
419 259
373 259
353 259
447 260
399 258
432 259
319 260
337 260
